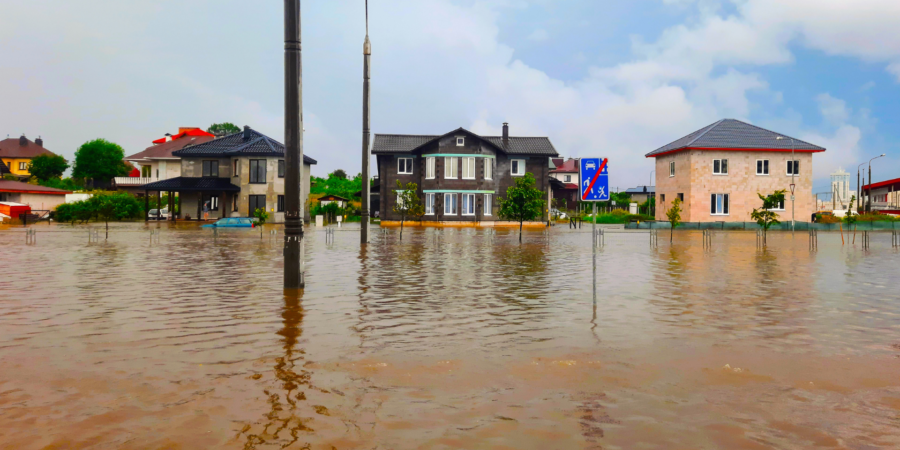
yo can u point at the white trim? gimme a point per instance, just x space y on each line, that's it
521 164
720 173
787 171
671 169
455 203
433 199
468 163
460 141
430 166
488 168
488 206
463 209
765 166
410 166
725 204
451 164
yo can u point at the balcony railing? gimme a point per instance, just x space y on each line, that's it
134 181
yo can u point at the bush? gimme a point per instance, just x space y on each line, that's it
105 206
261 215
827 218
876 217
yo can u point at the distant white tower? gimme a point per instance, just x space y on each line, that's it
840 189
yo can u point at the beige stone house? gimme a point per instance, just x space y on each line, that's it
718 171
232 176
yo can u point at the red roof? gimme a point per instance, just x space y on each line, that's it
25 188
569 166
895 182
163 149
12 148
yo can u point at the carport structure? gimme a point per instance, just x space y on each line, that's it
220 191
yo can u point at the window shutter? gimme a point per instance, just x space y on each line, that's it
712 203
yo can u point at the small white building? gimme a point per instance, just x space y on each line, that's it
39 198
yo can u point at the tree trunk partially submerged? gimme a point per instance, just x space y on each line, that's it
520 231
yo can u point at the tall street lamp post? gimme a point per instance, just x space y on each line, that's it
869 195
652 204
794 170
364 213
293 146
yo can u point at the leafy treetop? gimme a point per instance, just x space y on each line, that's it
47 166
99 160
221 129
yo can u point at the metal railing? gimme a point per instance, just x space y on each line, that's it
134 181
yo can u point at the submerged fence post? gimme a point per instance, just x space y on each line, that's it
813 239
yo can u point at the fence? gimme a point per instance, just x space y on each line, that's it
752 226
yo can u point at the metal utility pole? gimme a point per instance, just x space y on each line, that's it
293 147
367 103
793 168
869 196
858 187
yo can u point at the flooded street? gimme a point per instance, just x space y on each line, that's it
452 339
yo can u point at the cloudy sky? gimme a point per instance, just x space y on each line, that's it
600 78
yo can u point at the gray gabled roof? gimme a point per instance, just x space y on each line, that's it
731 134
257 144
515 145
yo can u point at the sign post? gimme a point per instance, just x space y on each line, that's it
593 179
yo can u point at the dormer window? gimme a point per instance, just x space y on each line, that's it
460 142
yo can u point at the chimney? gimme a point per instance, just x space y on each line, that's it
168 137
23 141
645 189
39 142
246 132
505 132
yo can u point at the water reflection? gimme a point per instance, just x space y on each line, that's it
285 414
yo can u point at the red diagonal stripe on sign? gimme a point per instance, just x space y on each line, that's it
596 175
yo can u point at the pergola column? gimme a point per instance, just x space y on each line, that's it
222 203
158 204
146 205
199 205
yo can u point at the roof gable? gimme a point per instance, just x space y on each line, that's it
165 150
731 134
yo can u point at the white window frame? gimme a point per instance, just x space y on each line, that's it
429 204
671 169
726 200
567 178
488 168
451 203
796 167
429 167
460 142
24 166
399 199
720 172
521 165
765 166
776 208
451 166
409 166
468 204
488 204
468 165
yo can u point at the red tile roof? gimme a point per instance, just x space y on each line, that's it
11 148
19 187
895 182
569 166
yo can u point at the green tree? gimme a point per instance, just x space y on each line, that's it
221 129
99 160
523 202
47 166
408 204
261 215
850 219
339 174
114 206
764 216
674 216
74 212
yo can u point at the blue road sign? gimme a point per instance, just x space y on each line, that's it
594 178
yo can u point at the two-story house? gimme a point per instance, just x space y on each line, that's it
566 172
459 174
233 176
16 155
719 170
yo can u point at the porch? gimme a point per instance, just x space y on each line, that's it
198 198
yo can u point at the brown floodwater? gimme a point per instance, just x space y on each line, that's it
450 339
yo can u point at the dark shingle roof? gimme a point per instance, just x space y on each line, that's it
406 143
235 145
733 134
189 184
166 149
640 190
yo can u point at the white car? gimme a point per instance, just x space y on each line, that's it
164 214
558 214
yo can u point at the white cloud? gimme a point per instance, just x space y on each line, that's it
894 69
834 110
539 35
